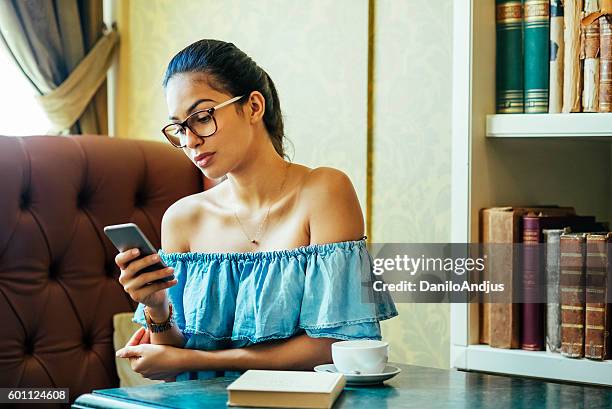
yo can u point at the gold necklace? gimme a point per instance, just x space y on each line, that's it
256 239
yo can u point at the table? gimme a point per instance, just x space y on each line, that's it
414 387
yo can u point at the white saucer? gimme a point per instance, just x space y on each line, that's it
362 379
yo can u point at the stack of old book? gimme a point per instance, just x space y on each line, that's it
553 56
561 299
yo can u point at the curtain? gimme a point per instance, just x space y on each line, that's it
62 48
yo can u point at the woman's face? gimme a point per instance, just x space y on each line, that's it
220 153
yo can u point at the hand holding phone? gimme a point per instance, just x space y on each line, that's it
143 274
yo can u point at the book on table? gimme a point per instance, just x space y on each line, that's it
285 389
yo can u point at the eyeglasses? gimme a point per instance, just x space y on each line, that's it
201 123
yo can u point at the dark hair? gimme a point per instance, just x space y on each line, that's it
230 70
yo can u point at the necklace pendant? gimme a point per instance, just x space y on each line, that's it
261 229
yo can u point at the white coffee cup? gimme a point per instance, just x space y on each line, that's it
360 356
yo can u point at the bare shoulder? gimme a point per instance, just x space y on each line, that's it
324 179
333 207
178 221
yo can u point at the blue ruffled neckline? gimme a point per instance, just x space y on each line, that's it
272 254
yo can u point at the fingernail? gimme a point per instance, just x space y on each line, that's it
118 353
135 252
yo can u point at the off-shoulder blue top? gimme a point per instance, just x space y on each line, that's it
232 300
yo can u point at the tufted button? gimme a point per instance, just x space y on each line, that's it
87 344
25 200
83 198
29 346
140 199
53 270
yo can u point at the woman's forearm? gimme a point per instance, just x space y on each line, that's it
173 336
298 353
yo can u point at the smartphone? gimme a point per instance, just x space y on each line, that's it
128 236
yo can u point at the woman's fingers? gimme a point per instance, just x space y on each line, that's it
141 285
132 269
137 265
144 292
129 352
137 337
122 259
146 338
145 278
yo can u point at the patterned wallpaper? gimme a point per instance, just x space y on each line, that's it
317 56
412 152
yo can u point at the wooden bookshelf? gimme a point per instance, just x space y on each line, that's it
564 159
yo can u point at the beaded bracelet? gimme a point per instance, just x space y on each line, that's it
161 327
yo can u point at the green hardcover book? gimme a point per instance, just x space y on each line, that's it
509 57
536 38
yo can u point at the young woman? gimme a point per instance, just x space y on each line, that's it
269 264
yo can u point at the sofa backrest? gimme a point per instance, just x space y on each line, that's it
58 280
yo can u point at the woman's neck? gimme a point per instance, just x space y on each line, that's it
257 181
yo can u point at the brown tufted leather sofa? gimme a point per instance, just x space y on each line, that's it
58 281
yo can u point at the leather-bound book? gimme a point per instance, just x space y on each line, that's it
573 261
590 53
597 300
605 64
557 48
509 57
533 274
499 322
553 306
536 57
572 84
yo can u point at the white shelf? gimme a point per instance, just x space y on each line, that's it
549 125
485 173
535 364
